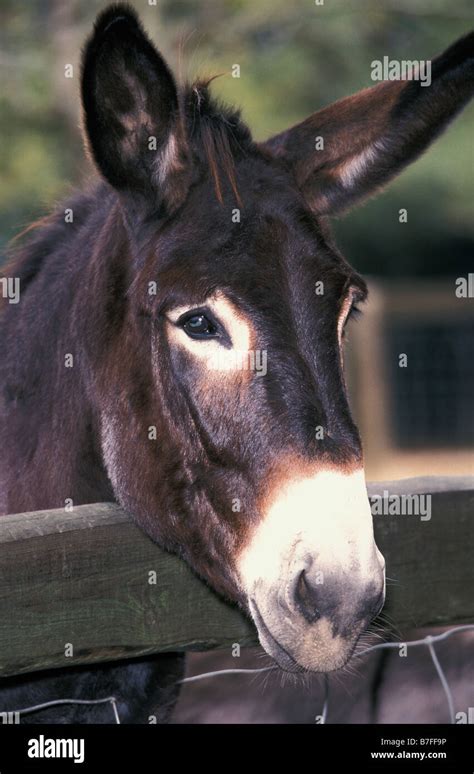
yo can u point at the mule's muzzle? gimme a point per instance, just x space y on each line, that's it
314 602
312 573
313 625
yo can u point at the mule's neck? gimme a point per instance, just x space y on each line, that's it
50 447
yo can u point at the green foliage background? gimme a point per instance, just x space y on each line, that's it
295 56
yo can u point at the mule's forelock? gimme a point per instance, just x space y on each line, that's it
217 135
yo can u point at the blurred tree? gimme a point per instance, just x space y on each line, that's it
293 57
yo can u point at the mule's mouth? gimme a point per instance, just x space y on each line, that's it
305 662
270 644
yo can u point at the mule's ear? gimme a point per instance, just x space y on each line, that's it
368 138
131 111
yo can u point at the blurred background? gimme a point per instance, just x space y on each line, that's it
294 58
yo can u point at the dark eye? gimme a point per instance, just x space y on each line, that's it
198 326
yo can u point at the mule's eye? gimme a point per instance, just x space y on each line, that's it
198 326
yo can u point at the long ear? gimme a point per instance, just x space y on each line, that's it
131 111
368 138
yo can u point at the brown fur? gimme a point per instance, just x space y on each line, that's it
82 432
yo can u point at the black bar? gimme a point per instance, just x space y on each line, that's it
314 748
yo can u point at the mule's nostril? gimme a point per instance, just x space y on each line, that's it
306 598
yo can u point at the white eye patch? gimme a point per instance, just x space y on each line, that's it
210 351
241 355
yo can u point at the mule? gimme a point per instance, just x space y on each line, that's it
122 375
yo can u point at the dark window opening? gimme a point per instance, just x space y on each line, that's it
432 398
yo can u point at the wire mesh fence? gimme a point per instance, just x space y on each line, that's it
429 642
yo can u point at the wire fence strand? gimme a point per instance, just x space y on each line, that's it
427 642
55 702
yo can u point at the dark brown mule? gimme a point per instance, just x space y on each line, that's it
177 347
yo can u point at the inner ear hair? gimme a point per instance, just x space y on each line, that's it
132 119
365 140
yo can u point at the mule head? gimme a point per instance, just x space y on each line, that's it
225 425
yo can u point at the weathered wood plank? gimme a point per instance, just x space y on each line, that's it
83 578
431 561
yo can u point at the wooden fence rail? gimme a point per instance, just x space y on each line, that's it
82 579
